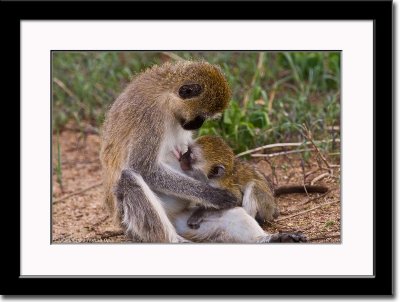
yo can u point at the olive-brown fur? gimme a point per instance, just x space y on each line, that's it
136 123
238 174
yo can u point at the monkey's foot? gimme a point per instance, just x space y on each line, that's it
194 224
287 237
196 218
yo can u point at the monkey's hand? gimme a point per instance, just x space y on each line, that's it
287 237
216 198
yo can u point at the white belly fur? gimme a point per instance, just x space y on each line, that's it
177 139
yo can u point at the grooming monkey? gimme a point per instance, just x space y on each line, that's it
147 125
210 159
144 132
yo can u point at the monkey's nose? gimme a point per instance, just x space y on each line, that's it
194 124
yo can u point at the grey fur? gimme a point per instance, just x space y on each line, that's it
141 220
136 127
171 183
200 214
137 212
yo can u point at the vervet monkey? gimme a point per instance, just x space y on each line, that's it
210 159
145 129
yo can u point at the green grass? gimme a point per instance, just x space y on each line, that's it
273 93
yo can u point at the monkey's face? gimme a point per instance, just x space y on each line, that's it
209 157
201 93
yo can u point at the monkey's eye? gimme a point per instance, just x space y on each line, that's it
216 171
189 91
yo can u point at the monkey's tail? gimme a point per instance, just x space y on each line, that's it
299 189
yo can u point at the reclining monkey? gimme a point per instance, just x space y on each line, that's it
211 159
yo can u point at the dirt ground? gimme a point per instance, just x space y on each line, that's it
78 215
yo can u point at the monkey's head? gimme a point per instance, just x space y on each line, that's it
210 156
196 91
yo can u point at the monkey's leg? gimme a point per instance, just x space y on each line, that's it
142 213
170 182
198 216
230 226
225 226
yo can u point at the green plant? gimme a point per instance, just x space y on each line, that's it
329 224
273 93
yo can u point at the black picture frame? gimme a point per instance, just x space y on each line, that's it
378 11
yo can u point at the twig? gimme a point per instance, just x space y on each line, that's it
279 145
89 129
314 198
172 56
269 147
271 100
77 192
309 210
110 234
62 237
280 153
304 178
319 177
69 92
96 224
324 237
65 88
283 226
308 136
274 177
334 129
312 172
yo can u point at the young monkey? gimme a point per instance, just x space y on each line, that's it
210 159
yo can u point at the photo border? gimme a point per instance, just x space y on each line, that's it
380 284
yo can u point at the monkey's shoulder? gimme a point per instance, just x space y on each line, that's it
245 172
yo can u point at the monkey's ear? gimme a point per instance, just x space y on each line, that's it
216 171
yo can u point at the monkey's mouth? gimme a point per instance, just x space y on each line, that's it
186 159
194 124
177 153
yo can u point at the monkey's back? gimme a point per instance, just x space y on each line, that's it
123 128
246 173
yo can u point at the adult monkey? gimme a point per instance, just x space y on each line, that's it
145 130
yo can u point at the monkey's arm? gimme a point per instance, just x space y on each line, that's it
168 181
198 175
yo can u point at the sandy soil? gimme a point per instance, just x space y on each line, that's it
78 214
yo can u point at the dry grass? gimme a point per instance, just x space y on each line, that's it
82 218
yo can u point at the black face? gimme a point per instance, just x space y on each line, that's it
190 91
186 160
194 124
